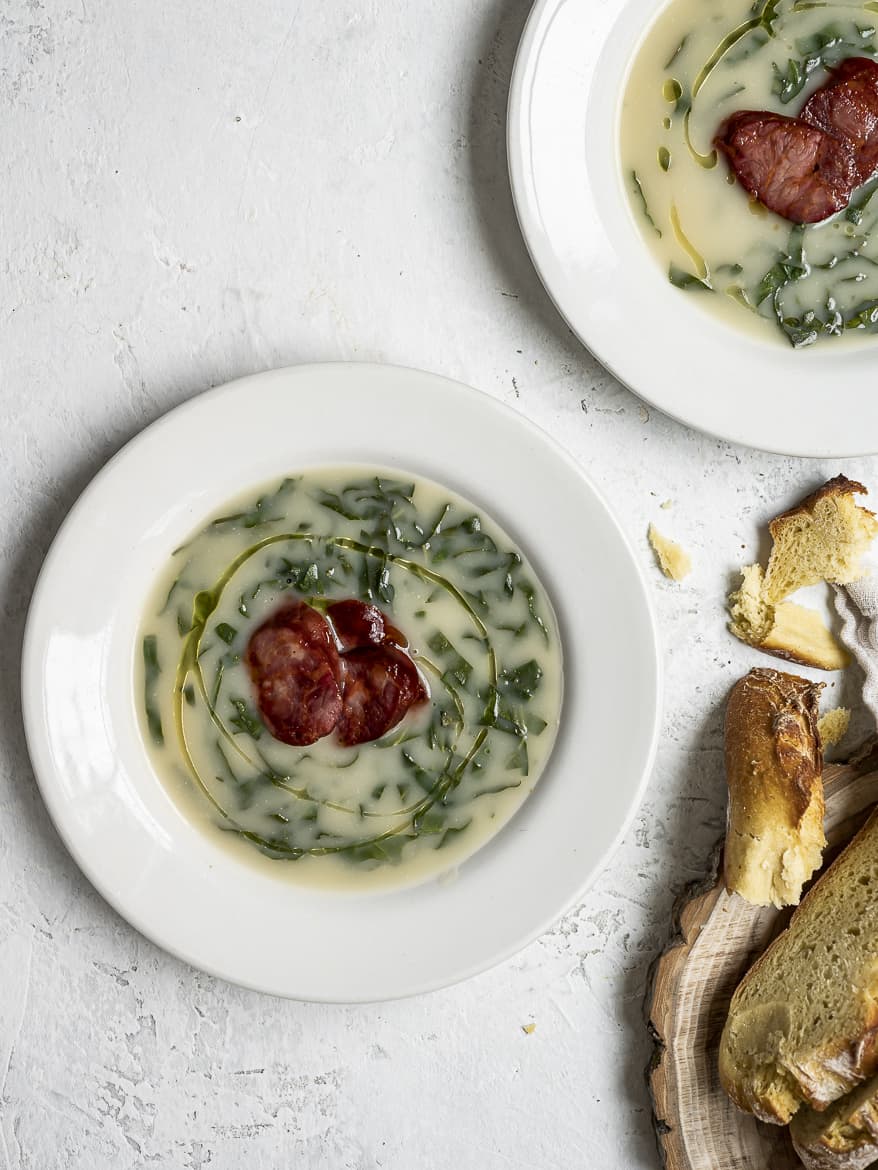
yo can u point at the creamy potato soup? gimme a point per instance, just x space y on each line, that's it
701 62
354 674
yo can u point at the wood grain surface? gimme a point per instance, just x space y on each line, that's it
717 937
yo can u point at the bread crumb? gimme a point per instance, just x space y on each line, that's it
832 727
674 561
528 1029
667 504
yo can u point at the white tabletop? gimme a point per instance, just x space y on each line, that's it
194 191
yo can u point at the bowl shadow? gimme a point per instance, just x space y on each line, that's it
19 572
692 834
502 26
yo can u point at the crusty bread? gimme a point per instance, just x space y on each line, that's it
803 1024
785 630
821 539
774 764
842 1137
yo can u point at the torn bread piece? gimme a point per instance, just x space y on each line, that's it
833 726
674 561
785 630
774 762
821 539
842 1137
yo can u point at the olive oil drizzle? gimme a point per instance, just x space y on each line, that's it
204 606
764 18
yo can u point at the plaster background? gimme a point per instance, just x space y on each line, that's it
197 191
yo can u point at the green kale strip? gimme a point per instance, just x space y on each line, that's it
246 720
455 667
805 329
521 682
383 506
679 278
856 209
261 513
676 53
504 710
824 50
641 196
151 672
789 267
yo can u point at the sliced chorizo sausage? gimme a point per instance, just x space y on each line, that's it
359 624
793 168
381 684
846 106
296 671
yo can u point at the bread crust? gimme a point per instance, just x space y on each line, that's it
825 1158
774 765
786 655
839 485
843 1137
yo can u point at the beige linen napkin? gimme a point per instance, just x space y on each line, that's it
857 606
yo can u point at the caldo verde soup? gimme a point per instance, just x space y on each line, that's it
701 62
351 673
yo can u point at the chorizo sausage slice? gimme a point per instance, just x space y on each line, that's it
296 671
381 684
846 107
793 168
359 624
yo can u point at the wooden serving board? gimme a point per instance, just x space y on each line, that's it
717 938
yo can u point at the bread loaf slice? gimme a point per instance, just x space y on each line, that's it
802 1027
774 763
842 1137
823 538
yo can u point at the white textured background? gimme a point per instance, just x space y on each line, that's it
198 189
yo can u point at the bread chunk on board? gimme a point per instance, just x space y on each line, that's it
773 761
802 1027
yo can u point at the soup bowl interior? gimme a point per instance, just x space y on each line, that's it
575 211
